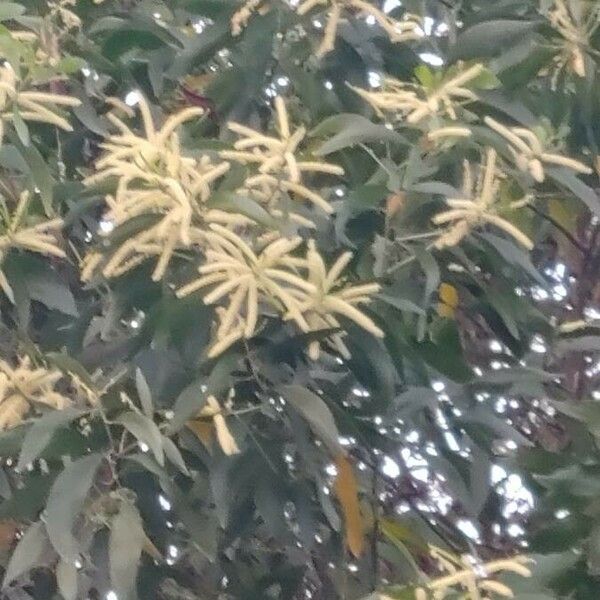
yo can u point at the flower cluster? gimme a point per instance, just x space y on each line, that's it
280 169
19 104
17 233
416 103
575 27
246 266
300 289
23 387
397 31
475 583
240 18
529 153
479 206
155 181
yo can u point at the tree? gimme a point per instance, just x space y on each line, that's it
299 299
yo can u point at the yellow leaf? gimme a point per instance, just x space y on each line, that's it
151 550
448 300
204 432
394 204
346 490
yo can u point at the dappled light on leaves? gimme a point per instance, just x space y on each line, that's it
336 10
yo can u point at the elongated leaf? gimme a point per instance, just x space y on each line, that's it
569 180
193 398
144 393
65 501
316 413
42 431
346 490
30 550
127 539
351 130
66 578
146 431
174 455
10 10
490 37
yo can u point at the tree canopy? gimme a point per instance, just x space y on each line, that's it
299 299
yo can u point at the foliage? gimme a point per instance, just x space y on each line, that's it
295 294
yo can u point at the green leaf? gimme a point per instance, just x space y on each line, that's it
125 550
193 397
31 550
144 393
39 172
146 431
65 502
20 126
349 130
236 203
41 282
10 10
569 180
42 431
66 579
316 413
490 38
174 455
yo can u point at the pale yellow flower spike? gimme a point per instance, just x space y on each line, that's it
240 18
477 208
154 179
529 153
30 105
280 170
329 297
224 437
462 577
41 238
245 279
24 386
397 31
576 32
410 101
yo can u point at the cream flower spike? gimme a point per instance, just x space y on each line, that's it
40 238
34 106
23 387
245 279
410 101
528 151
327 297
155 180
473 582
224 437
477 208
575 31
240 18
279 167
397 31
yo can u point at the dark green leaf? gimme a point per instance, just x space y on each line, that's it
125 550
31 550
316 413
42 431
65 502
